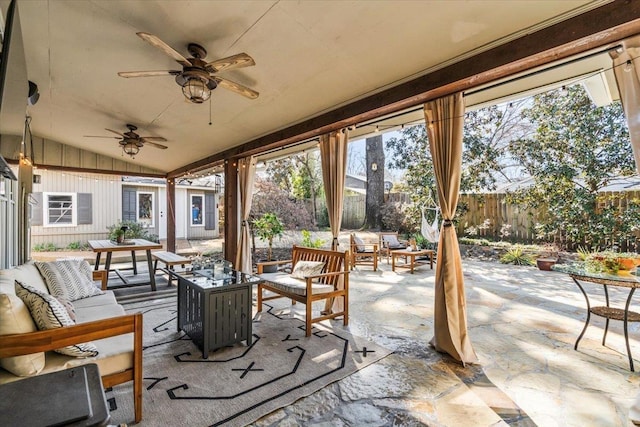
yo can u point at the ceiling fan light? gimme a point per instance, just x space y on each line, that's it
131 149
196 90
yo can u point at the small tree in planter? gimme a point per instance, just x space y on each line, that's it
267 227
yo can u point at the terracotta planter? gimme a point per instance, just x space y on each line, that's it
545 264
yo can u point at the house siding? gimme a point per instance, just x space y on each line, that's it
106 205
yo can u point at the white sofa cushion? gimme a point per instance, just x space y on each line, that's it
16 319
70 279
48 313
25 273
107 298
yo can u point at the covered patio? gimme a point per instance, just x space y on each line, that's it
315 87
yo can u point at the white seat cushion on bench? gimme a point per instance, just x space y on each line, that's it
287 283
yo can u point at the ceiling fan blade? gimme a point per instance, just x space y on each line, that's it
128 74
153 144
153 138
240 60
100 136
116 132
156 42
236 87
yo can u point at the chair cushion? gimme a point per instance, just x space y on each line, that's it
70 279
287 283
391 240
304 269
16 319
48 313
359 244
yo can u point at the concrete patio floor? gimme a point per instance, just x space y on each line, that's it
523 324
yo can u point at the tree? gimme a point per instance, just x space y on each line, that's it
488 133
577 149
300 176
375 182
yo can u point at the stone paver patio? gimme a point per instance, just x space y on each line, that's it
523 324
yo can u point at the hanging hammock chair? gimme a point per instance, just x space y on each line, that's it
431 232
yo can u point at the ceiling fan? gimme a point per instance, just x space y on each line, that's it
197 77
131 142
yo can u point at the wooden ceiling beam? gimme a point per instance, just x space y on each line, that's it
597 28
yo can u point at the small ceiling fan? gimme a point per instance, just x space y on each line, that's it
197 77
131 142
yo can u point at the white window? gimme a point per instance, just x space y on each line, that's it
145 208
197 209
60 209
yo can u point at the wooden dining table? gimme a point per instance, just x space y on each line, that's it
129 245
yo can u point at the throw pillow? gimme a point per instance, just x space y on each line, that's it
48 313
68 305
303 269
359 243
16 319
70 279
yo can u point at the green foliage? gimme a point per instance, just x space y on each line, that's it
516 255
577 150
45 247
309 242
267 227
76 246
135 230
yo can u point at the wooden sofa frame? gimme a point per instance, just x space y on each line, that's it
40 341
336 267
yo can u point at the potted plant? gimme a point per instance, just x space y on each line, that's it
548 258
119 235
267 227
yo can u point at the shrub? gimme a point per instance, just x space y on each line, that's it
45 247
517 256
310 243
269 198
76 246
135 230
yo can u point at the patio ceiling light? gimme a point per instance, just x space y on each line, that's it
130 148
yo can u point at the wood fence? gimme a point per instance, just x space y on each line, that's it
489 214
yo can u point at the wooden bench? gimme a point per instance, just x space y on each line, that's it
332 282
169 259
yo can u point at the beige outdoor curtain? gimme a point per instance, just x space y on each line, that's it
333 154
444 119
246 174
626 67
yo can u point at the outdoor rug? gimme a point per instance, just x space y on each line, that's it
236 385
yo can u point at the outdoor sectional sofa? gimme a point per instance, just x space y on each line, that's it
100 326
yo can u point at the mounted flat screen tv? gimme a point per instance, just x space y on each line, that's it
14 86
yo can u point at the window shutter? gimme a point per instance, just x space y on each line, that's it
85 208
36 208
128 204
209 211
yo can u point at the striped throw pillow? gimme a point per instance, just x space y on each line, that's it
69 279
48 313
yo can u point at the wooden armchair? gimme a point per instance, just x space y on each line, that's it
362 253
332 283
389 241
